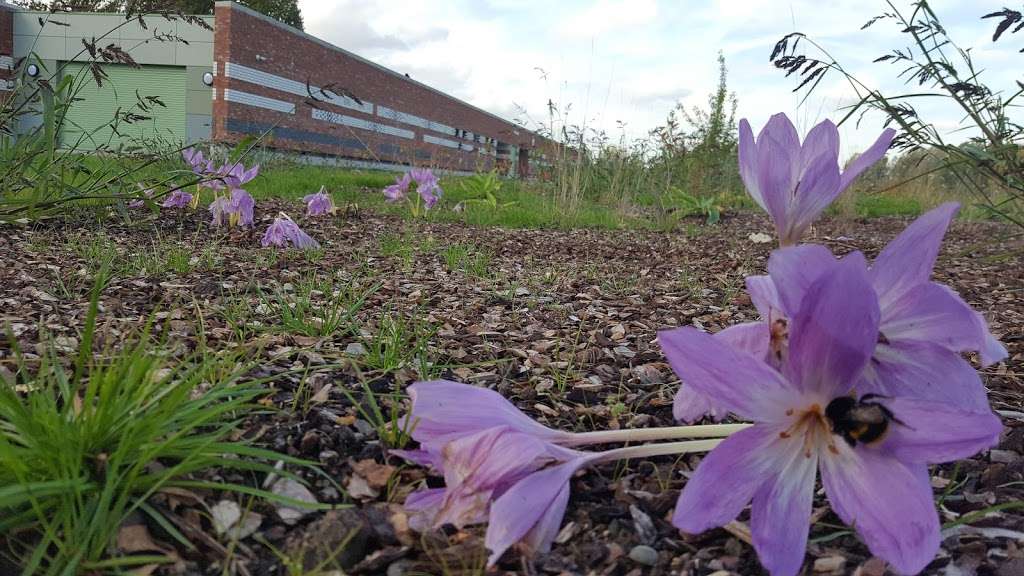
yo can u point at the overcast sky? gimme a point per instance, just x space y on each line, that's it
630 61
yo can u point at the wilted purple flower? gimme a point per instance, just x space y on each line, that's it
139 202
177 199
219 209
923 329
516 481
397 191
319 203
880 487
284 231
795 183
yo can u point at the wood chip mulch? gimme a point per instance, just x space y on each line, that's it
560 322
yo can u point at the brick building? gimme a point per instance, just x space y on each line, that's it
254 76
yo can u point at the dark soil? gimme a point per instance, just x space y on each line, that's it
560 322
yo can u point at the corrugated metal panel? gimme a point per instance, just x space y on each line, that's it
97 105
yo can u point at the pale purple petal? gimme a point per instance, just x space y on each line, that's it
991 350
754 338
539 539
219 209
319 203
784 500
923 370
889 502
424 458
748 163
763 295
794 269
931 312
908 260
275 234
933 432
243 205
780 128
690 405
818 187
868 157
177 199
534 503
823 139
300 239
422 507
727 479
731 378
776 178
443 409
835 331
479 466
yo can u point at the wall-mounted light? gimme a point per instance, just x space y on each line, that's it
32 70
261 58
208 78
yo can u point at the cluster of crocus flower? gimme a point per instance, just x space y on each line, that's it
854 371
428 190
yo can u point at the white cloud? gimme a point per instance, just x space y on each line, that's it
631 61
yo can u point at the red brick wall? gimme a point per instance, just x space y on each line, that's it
6 42
239 36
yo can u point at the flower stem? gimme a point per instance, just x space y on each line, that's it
646 434
649 450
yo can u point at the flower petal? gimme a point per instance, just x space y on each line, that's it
868 157
422 506
727 479
441 408
785 499
480 465
532 503
753 338
935 432
908 260
835 331
991 350
923 370
538 540
794 269
818 187
889 502
763 295
748 163
822 139
731 378
776 178
690 405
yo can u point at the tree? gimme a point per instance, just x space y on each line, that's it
286 11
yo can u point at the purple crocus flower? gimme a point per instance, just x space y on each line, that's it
794 183
881 487
195 160
237 175
923 329
284 231
426 186
177 199
139 202
319 203
241 207
397 191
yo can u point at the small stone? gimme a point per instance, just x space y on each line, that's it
291 489
829 564
1003 456
355 349
644 555
310 442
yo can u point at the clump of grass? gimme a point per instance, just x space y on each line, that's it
398 342
468 259
79 447
317 307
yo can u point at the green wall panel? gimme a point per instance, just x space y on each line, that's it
96 105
